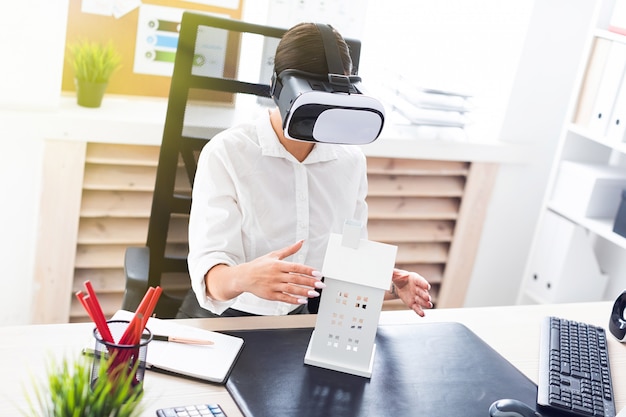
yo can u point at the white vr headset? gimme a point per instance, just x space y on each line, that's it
327 109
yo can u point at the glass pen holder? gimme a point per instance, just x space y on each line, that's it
121 363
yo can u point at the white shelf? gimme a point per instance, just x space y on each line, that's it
594 137
602 33
600 227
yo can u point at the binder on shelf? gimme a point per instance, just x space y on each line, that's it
563 265
607 90
591 82
619 226
616 130
588 190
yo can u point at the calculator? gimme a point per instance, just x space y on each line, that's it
198 410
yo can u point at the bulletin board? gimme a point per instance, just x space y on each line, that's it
133 34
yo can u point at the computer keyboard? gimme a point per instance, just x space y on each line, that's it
574 371
196 410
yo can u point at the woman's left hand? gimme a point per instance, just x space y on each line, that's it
412 289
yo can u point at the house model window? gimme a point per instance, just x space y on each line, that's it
357 272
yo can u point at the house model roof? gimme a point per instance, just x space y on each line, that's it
364 263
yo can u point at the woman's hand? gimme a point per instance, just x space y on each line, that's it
412 289
269 277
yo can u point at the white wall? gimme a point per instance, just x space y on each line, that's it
540 102
33 36
459 45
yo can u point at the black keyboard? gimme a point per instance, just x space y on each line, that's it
574 374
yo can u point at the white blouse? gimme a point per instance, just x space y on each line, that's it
251 197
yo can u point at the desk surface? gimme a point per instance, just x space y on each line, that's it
512 331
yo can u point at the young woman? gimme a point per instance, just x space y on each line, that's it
264 205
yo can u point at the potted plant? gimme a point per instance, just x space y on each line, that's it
71 391
93 65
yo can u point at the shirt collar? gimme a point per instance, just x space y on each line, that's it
271 146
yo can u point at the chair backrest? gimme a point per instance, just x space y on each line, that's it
207 46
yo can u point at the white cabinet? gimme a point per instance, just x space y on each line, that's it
575 255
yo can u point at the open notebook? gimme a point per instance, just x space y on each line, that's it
207 362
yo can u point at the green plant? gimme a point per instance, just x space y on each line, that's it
93 61
69 391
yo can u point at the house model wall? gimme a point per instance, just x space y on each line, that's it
357 272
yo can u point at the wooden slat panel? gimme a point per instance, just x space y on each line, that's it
127 178
394 305
101 203
119 177
110 303
410 230
432 272
108 280
112 256
111 153
411 253
434 294
100 256
399 305
116 202
414 186
62 170
177 250
175 281
103 230
102 279
128 231
467 234
413 208
399 166
178 232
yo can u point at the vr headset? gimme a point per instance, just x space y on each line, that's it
327 109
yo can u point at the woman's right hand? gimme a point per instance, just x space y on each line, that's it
269 277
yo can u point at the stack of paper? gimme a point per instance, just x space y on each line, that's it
439 109
425 106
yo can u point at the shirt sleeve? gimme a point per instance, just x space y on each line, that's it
214 222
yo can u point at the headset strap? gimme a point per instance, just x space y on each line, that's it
333 59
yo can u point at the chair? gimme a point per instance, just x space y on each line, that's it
145 266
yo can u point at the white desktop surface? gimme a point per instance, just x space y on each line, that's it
512 331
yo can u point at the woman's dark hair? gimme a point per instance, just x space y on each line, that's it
301 48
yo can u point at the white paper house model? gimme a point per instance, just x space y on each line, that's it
357 272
